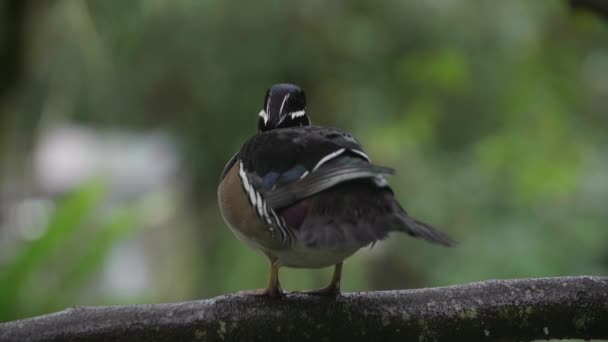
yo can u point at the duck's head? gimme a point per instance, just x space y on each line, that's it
284 106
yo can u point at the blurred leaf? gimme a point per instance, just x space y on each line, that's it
99 245
96 248
64 222
445 69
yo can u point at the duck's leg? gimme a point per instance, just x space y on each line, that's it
333 288
273 289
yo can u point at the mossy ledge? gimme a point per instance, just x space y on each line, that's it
518 309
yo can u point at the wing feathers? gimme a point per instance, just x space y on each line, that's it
328 175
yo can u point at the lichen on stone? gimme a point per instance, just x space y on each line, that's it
199 334
222 330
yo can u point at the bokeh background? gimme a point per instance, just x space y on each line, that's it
117 117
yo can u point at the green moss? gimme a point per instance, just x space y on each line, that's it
424 329
222 330
468 314
423 324
199 334
385 320
505 313
581 322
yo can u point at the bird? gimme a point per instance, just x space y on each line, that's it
309 196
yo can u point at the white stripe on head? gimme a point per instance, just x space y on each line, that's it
268 104
283 103
297 114
264 115
282 117
327 158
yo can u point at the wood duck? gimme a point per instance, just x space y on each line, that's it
308 196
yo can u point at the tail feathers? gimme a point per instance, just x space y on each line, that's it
425 231
331 233
358 213
319 232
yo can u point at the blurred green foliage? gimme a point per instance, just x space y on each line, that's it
493 113
25 282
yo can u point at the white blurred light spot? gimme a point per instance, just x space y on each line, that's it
64 158
30 217
131 163
126 272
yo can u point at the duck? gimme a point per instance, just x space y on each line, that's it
309 196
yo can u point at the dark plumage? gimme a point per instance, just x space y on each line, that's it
309 196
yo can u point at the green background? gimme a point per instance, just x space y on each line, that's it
494 114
